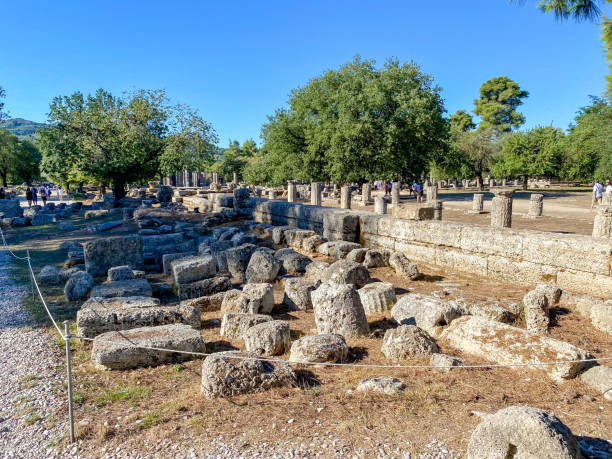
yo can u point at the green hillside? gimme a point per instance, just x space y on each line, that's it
20 127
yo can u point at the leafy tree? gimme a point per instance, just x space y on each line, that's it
499 99
589 143
477 150
358 123
535 153
461 121
2 95
19 160
235 158
120 140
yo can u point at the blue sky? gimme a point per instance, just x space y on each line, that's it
236 62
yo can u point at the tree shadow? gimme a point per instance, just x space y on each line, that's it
432 278
356 354
306 379
219 346
557 312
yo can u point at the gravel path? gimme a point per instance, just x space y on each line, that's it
32 399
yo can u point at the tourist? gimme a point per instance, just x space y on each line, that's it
2 194
43 194
34 195
389 188
29 196
418 189
597 192
60 193
608 188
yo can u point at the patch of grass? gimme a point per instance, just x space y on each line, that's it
32 418
28 381
121 394
150 419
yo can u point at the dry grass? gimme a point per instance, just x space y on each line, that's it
139 407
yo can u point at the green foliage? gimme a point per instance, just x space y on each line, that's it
577 9
499 99
235 159
356 124
114 394
461 121
475 151
589 143
2 113
537 152
19 160
606 38
119 140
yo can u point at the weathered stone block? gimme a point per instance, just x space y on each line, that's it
134 287
338 309
102 254
233 325
204 287
327 347
192 269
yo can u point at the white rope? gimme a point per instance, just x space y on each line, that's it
353 365
8 248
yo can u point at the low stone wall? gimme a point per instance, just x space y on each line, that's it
577 263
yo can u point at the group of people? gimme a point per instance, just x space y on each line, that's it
45 192
415 188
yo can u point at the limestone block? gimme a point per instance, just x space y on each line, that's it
407 341
204 287
101 315
134 287
403 266
535 305
582 282
383 384
504 344
427 312
600 379
374 259
168 258
601 316
118 350
553 294
268 338
206 303
295 238
377 297
226 374
278 234
293 262
233 325
491 311
262 267
410 212
297 293
49 275
522 431
327 347
357 255
316 271
493 241
104 253
445 362
342 249
327 248
338 309
347 272
77 286
119 273
238 259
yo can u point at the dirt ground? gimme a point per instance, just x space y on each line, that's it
565 210
144 408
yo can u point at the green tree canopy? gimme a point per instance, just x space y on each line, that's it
2 112
356 124
119 140
476 150
499 99
589 142
19 160
534 153
235 159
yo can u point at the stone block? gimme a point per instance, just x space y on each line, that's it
120 273
204 287
326 347
134 287
233 325
192 269
104 253
338 309
119 350
268 338
168 258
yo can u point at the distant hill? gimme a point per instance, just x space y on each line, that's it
20 127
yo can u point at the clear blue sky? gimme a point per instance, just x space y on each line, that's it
236 62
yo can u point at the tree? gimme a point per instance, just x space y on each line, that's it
499 99
358 123
19 160
534 153
2 112
477 150
235 158
120 140
589 142
461 121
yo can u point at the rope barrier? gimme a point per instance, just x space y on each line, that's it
352 365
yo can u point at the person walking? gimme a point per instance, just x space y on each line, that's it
34 195
43 194
418 189
29 196
597 192
60 193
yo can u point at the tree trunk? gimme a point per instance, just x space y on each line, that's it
479 180
80 187
525 182
3 174
118 191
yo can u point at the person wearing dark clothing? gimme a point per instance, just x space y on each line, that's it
29 196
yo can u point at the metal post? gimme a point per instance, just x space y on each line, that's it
69 376
31 276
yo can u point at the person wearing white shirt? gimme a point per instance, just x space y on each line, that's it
597 192
608 187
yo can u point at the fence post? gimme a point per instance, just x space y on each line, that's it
31 275
69 377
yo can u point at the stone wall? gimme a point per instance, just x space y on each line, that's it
577 263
